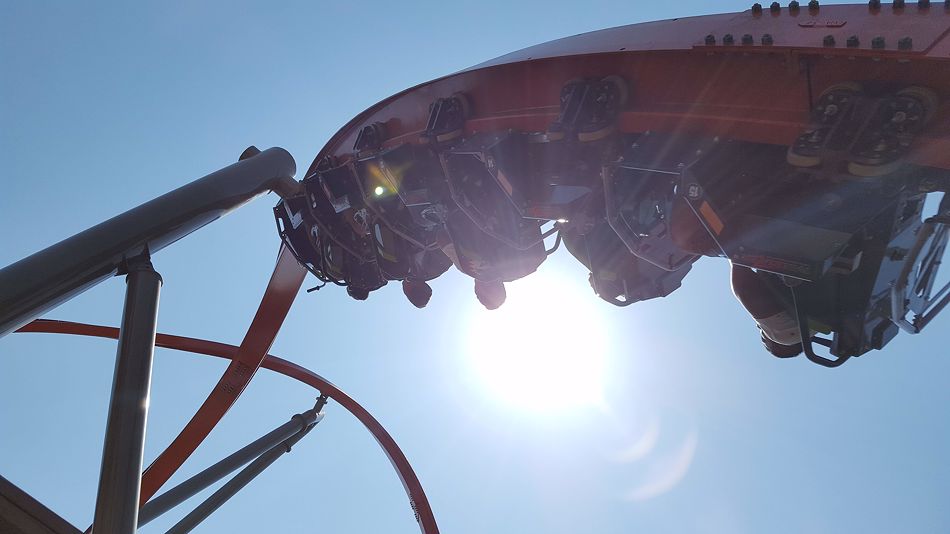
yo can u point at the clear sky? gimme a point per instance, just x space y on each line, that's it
694 428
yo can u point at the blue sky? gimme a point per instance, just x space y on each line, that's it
103 107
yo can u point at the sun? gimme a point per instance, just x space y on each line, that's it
545 349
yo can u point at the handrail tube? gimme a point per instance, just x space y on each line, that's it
40 282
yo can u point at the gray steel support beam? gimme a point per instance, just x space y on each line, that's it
231 487
117 502
184 491
51 276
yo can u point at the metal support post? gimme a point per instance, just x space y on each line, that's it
184 491
117 502
243 478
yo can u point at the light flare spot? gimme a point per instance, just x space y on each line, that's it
545 349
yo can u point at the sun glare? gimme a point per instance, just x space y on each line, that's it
545 348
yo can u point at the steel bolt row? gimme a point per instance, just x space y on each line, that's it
900 4
877 43
814 5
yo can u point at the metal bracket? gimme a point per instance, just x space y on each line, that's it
589 108
913 290
807 339
446 119
370 138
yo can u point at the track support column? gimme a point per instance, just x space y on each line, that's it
117 502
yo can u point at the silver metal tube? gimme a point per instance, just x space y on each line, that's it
117 502
231 487
44 280
182 492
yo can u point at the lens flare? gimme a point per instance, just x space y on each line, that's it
544 349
